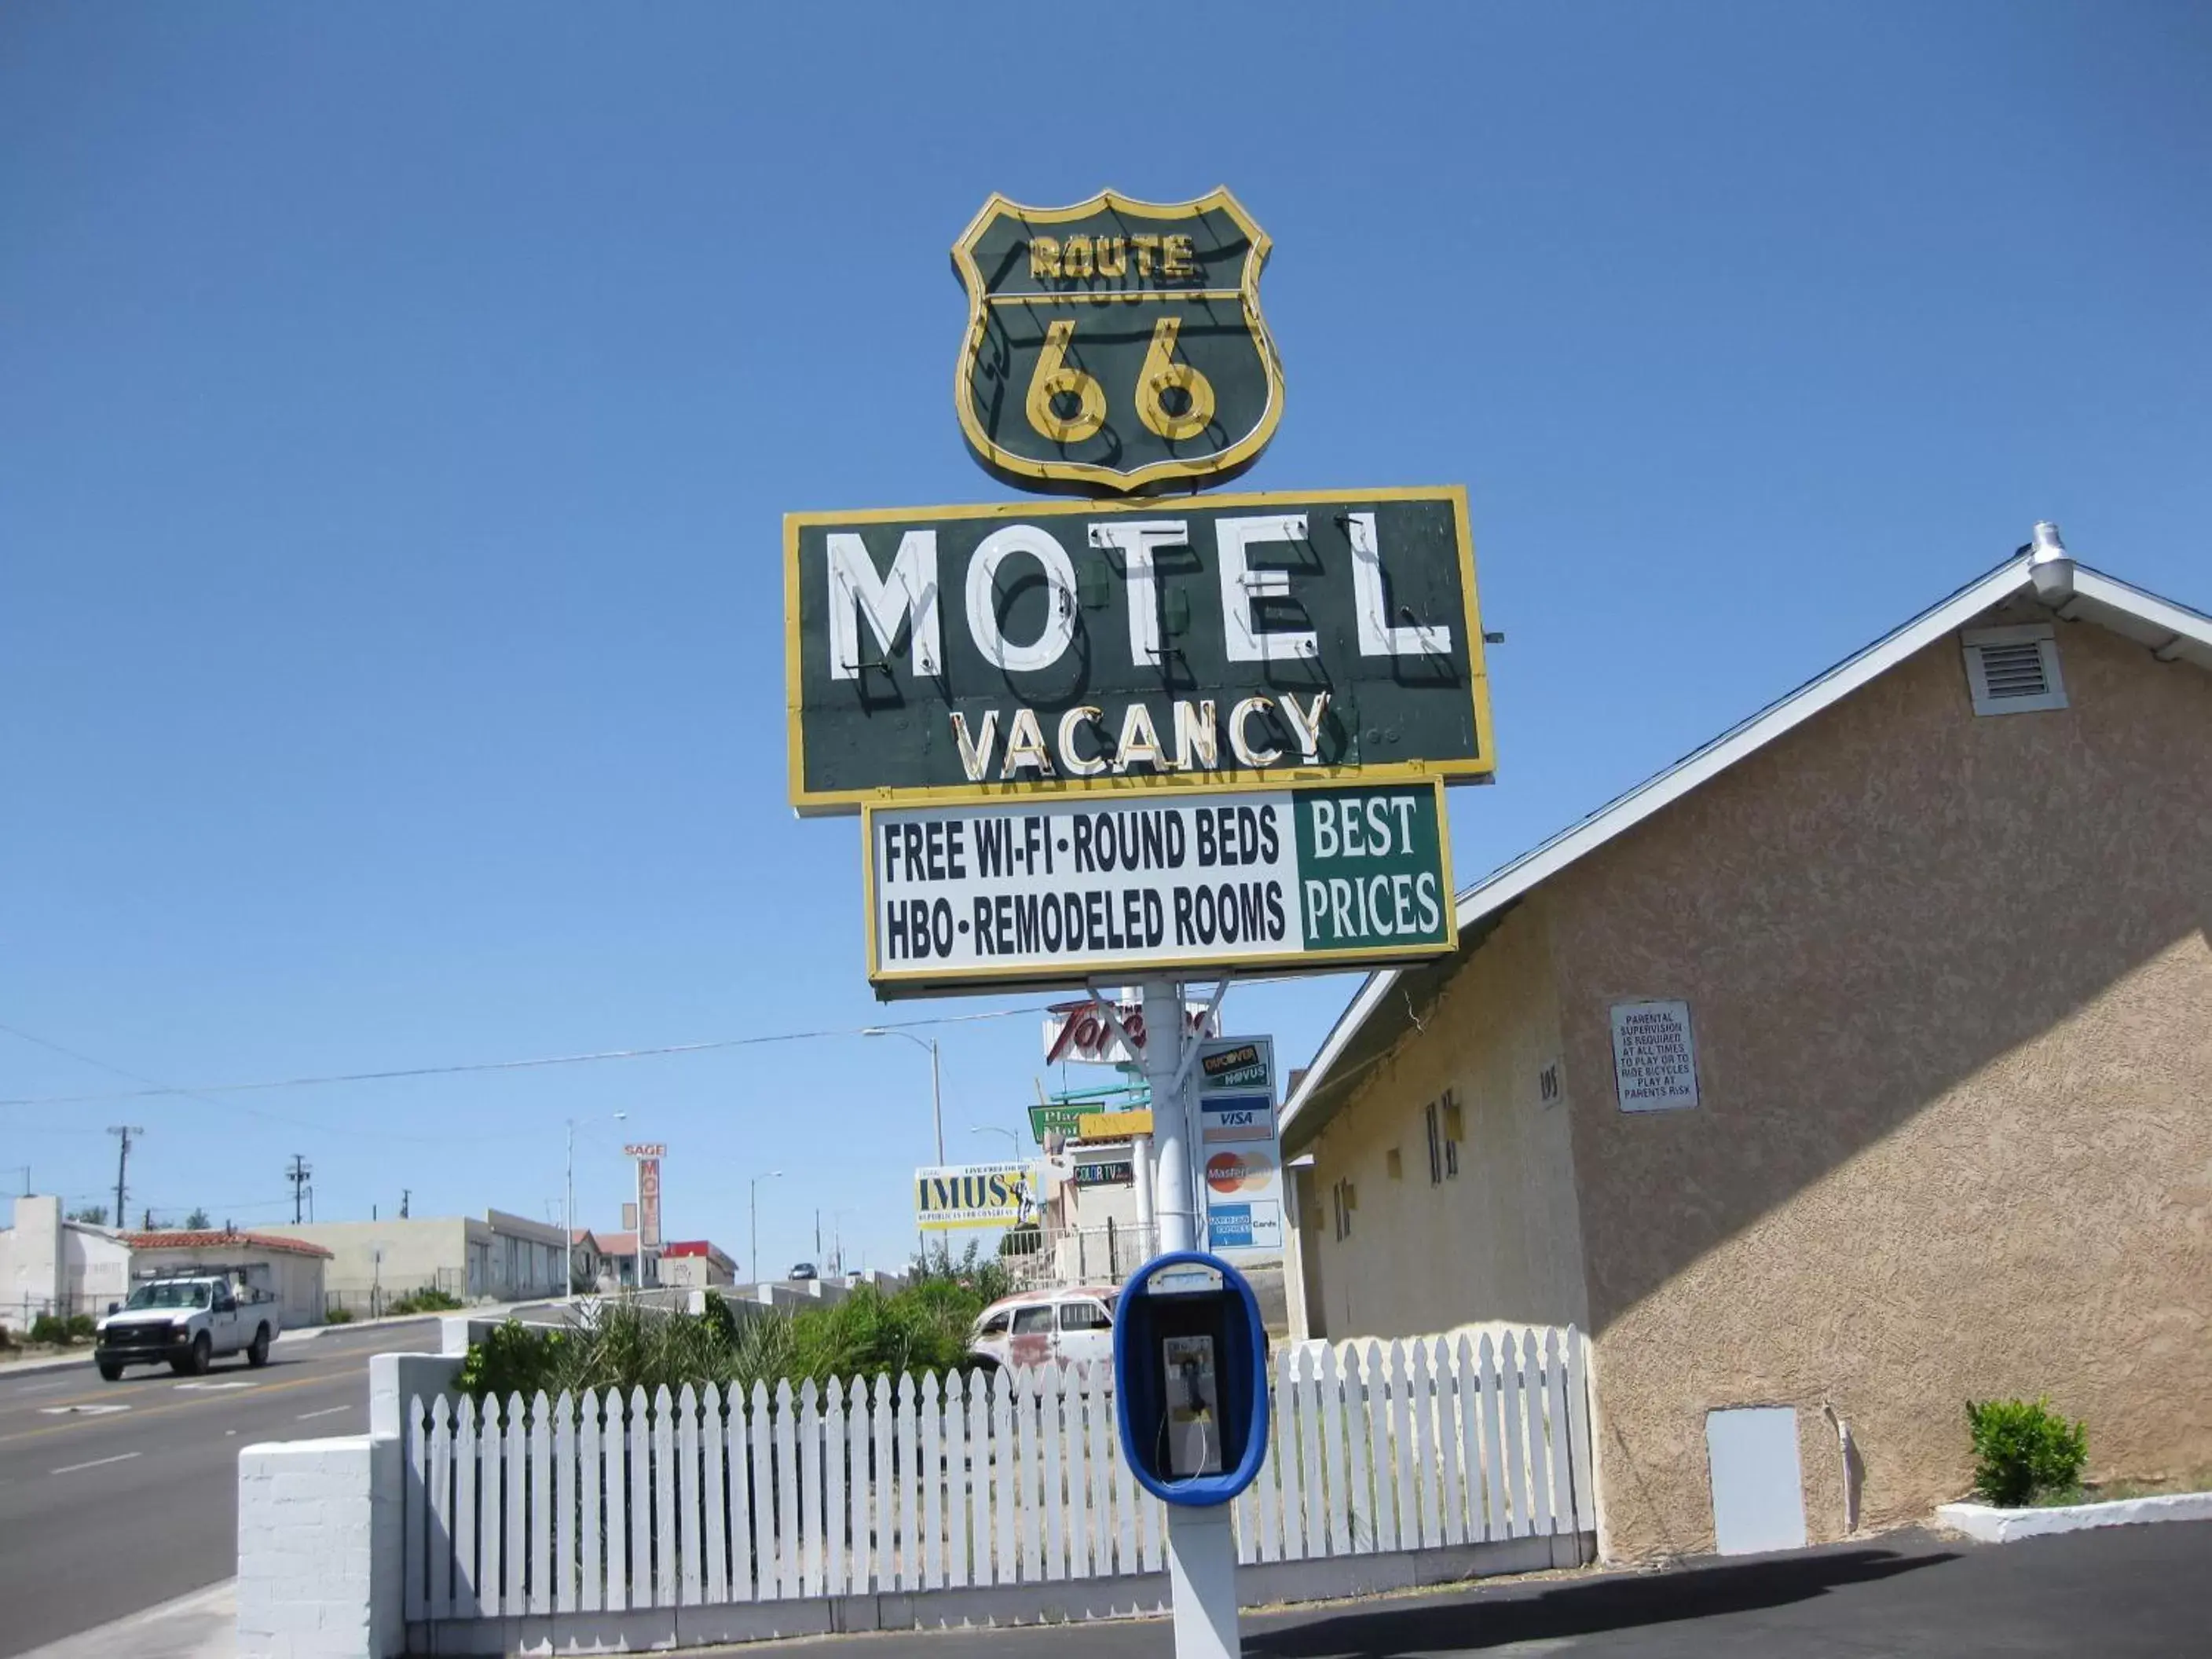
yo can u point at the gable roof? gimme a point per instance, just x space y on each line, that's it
2074 593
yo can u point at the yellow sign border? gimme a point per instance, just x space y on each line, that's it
810 803
1086 474
953 981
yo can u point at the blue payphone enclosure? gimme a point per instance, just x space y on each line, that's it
1232 1316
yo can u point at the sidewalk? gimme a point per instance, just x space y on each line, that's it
201 1626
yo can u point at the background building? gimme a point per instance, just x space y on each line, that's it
292 1267
697 1264
52 1265
1855 1067
502 1258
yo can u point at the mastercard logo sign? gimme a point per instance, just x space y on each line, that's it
1232 1172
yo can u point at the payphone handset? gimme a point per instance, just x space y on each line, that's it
1194 1414
1190 1360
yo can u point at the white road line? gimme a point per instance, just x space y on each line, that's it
71 1468
328 1411
80 1411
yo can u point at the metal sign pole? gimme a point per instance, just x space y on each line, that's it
1201 1546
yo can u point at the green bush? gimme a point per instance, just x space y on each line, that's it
82 1327
51 1327
425 1300
922 1327
337 1316
2023 1449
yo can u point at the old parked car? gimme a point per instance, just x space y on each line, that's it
186 1321
1072 1325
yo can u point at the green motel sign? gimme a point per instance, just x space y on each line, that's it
1049 648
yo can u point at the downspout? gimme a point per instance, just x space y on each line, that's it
1850 1460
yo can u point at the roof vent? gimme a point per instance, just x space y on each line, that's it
2014 671
2049 567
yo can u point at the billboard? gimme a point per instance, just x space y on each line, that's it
975 1194
1239 1154
1058 892
1032 647
649 1203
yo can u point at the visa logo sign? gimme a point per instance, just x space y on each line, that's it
1234 1117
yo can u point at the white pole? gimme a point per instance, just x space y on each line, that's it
937 1102
1202 1548
1174 1204
1140 1154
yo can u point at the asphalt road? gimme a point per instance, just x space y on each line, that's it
116 1496
2117 1593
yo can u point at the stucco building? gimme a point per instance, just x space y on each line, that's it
1858 1064
52 1265
499 1258
695 1263
290 1268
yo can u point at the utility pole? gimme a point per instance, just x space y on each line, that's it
297 1174
405 1193
122 1133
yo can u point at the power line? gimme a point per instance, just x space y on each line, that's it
397 1074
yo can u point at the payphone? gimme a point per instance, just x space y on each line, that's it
1190 1375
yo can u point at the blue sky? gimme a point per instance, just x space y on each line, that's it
397 406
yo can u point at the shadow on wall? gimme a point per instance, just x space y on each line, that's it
1868 915
1538 1612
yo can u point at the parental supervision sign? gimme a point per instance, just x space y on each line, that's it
1060 890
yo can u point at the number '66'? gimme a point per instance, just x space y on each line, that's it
1057 378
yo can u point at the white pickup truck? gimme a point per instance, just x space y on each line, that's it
186 1322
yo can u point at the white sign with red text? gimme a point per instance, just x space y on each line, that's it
1080 1033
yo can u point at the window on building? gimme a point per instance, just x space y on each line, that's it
1442 1120
2014 671
1341 1200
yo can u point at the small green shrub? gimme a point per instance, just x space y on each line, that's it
337 1316
51 1327
426 1300
82 1327
2023 1449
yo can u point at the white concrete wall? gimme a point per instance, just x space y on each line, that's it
319 1549
30 1261
95 1270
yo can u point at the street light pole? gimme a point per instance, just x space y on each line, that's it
753 1206
936 1083
1012 1139
568 1216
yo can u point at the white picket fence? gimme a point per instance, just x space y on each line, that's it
548 1507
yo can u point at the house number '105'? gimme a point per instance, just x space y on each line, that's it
1056 378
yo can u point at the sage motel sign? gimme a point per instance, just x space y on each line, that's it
1115 345
1032 647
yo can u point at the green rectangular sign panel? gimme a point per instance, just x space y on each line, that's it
1044 648
985 896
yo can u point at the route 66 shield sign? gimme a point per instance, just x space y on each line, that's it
1115 346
